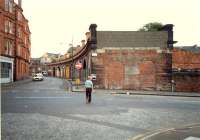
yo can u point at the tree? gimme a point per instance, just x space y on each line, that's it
153 26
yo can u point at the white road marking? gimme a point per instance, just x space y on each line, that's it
192 138
52 97
156 133
186 101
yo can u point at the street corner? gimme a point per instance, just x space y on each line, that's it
189 132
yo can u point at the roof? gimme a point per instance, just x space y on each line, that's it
50 54
35 58
194 49
131 39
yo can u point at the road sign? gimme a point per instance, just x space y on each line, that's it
78 65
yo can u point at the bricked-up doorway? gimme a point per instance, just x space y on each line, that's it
84 71
54 71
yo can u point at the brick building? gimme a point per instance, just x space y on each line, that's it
35 66
49 57
38 65
133 60
14 42
186 68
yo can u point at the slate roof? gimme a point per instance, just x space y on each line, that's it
194 49
131 39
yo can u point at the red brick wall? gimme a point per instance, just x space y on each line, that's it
185 59
187 83
188 60
2 4
132 69
22 69
22 48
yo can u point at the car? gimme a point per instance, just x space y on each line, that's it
37 77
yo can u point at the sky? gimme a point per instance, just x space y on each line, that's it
54 24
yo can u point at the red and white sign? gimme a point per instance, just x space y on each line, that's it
78 65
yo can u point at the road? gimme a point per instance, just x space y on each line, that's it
46 111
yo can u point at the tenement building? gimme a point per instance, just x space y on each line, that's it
14 42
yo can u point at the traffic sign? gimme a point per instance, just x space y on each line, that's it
78 65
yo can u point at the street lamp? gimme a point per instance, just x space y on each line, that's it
71 45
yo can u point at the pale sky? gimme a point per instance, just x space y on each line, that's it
53 23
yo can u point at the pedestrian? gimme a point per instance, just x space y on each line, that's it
89 88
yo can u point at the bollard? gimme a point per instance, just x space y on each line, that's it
77 83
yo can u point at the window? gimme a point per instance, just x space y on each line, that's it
8 47
9 27
25 40
6 26
19 50
5 67
19 32
25 55
9 6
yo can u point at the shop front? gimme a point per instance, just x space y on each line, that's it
6 64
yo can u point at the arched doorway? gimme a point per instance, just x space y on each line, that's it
58 72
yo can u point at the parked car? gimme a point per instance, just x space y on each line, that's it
37 77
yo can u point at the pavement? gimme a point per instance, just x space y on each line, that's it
72 87
80 88
20 82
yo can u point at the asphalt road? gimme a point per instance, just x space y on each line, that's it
46 111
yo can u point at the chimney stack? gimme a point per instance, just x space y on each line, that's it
88 35
20 3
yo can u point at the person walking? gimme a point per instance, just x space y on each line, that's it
89 88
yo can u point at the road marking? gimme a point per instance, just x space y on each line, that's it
146 136
53 97
192 138
187 101
156 133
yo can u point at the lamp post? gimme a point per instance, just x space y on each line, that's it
71 45
72 60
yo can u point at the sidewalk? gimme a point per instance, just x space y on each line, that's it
81 88
157 93
191 132
4 85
